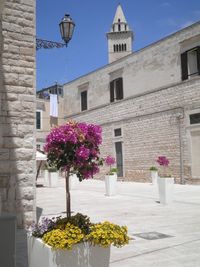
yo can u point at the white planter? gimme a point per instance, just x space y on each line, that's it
46 177
111 184
154 177
73 181
53 179
166 189
81 255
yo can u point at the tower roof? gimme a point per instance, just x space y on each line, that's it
119 15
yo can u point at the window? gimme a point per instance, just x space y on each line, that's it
83 100
117 132
116 89
119 26
190 63
195 118
38 120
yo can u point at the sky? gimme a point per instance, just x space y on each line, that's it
150 20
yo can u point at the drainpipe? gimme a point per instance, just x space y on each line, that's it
182 180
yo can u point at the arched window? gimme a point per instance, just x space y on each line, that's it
117 48
119 27
114 48
125 27
124 47
120 48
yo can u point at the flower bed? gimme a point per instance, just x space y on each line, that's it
77 237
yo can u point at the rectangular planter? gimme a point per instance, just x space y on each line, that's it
154 177
50 178
111 184
81 255
166 189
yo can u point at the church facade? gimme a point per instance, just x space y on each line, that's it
147 102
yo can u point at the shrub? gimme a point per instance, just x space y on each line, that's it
153 168
61 233
106 233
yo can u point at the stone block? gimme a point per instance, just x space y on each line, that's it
4 154
21 154
25 193
24 180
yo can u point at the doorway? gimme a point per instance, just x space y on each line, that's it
195 141
119 158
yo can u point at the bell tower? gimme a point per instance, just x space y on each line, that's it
120 37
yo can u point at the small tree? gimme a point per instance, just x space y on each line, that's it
74 148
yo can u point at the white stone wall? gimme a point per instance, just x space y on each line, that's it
17 108
150 126
151 68
119 38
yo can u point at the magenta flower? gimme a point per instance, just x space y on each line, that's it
162 161
82 152
73 147
109 160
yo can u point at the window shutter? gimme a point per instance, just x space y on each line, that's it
184 67
112 95
198 59
119 89
83 100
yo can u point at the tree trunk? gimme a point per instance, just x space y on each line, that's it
68 198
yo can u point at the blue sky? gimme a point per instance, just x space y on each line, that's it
87 51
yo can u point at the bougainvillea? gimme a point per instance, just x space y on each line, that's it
163 161
74 147
109 161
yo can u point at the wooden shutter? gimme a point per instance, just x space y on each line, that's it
198 59
184 66
119 89
112 94
83 100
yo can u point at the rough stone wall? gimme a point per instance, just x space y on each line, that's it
153 124
17 108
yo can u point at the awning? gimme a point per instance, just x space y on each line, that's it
40 156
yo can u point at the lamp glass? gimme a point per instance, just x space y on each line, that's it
67 28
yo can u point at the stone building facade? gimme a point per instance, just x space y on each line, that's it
45 122
148 104
17 109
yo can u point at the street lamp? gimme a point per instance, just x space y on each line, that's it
66 29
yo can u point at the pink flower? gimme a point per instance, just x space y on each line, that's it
163 161
82 152
109 160
75 146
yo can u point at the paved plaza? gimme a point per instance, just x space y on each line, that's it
162 236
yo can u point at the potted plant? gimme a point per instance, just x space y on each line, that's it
73 242
53 176
46 175
154 174
73 181
74 149
165 182
111 177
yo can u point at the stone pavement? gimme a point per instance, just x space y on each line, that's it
136 205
